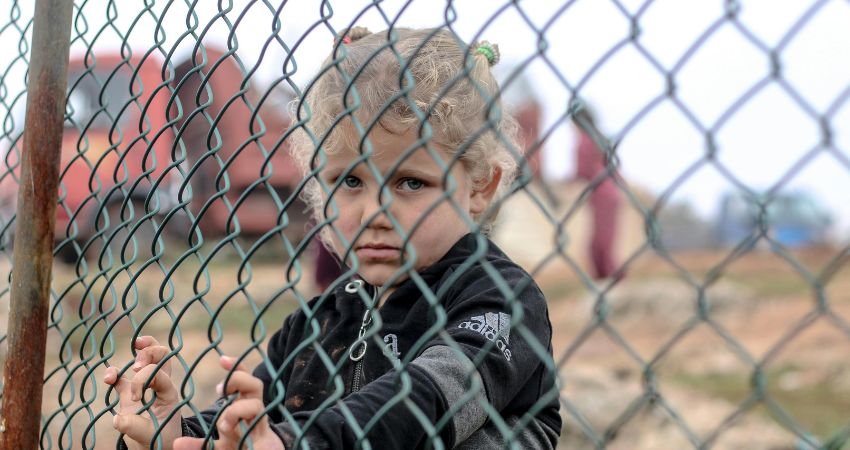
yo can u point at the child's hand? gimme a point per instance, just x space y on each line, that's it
236 417
139 428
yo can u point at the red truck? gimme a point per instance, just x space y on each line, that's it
115 146
126 142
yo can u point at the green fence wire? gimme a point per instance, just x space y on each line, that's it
180 213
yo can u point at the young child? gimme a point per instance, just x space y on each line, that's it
439 336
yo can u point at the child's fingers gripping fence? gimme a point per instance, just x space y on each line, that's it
587 224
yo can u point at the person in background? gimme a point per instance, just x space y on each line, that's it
529 116
521 99
591 165
326 266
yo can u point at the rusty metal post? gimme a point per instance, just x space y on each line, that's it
37 195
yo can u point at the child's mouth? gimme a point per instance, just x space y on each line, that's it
377 252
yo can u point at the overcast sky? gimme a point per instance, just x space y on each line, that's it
760 143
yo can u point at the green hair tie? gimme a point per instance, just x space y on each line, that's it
490 51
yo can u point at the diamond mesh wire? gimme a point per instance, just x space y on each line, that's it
180 217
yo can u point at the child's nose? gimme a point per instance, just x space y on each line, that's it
375 215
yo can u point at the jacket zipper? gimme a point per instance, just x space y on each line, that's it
358 372
358 348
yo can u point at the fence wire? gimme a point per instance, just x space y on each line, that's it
181 216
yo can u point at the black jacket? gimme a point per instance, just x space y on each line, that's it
470 357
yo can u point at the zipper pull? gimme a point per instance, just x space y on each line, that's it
358 349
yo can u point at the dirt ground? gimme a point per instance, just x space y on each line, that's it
642 368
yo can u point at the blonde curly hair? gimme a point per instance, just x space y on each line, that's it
368 79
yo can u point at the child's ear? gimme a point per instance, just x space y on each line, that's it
482 195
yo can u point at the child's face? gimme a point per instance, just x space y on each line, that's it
415 186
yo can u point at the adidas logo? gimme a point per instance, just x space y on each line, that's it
493 326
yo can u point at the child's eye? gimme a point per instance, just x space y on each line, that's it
411 184
351 182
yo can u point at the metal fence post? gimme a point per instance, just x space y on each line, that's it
37 196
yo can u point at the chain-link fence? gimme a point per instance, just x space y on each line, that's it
675 323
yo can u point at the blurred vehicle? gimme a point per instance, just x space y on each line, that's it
119 151
115 149
225 133
795 219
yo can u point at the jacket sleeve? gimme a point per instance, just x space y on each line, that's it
403 399
504 333
504 330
